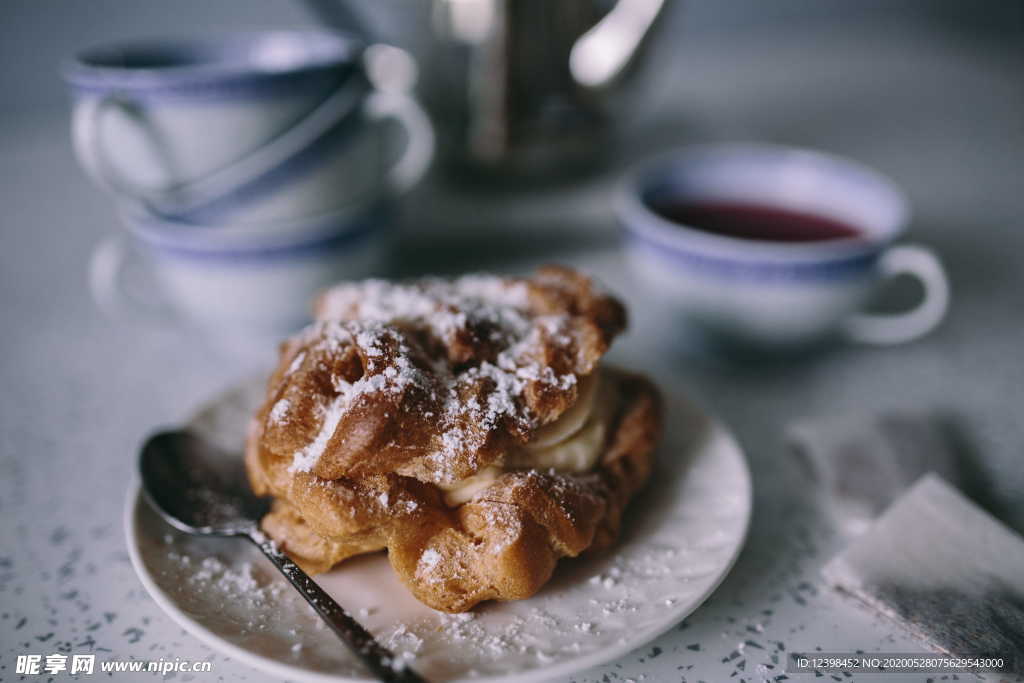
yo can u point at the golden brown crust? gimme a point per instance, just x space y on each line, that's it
434 379
503 544
380 441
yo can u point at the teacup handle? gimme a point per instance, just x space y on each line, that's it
238 174
88 134
109 270
896 328
419 149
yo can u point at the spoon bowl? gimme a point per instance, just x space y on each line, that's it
197 488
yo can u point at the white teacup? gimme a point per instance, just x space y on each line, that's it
230 280
762 290
243 128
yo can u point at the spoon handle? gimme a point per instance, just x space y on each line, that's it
380 660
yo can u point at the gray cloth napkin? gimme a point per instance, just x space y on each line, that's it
945 569
860 464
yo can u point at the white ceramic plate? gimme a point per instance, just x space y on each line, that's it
680 539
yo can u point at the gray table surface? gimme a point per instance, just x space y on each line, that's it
944 116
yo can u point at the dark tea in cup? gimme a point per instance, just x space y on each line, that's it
750 221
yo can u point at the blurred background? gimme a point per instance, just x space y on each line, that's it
928 92
895 85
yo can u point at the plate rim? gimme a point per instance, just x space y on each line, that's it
269 665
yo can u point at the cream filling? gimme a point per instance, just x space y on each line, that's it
572 443
572 420
459 492
580 448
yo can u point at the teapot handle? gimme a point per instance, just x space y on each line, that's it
606 51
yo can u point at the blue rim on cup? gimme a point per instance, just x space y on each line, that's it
347 226
223 65
770 292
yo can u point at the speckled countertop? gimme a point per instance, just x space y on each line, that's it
944 118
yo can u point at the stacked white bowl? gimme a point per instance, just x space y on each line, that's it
252 169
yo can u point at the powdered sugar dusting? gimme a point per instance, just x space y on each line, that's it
460 316
280 410
444 305
296 362
240 580
428 563
304 459
370 338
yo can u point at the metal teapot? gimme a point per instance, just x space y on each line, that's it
517 87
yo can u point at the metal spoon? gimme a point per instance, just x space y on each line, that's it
202 491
